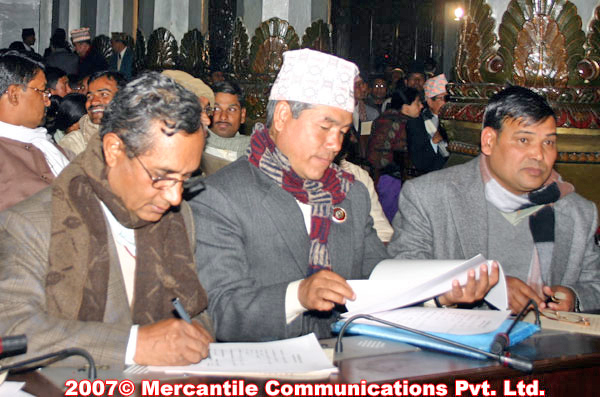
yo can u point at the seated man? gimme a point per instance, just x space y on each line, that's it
427 140
29 160
95 260
225 144
102 87
509 205
281 230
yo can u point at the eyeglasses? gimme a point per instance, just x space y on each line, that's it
566 317
161 182
45 93
208 110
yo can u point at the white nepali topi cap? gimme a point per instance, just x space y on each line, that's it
317 78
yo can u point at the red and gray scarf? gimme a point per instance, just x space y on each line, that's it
541 222
322 195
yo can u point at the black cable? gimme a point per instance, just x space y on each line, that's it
502 339
517 363
56 356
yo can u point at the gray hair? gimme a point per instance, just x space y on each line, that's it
297 108
150 98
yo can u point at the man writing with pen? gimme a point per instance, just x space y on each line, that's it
95 260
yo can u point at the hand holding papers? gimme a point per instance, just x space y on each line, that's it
398 283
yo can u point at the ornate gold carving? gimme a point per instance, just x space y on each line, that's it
540 56
193 54
317 37
525 25
475 56
589 68
162 50
270 40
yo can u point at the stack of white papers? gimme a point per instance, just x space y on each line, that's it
13 389
290 358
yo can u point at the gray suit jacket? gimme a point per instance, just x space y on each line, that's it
24 244
443 215
252 242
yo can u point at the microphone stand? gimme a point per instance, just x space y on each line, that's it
56 356
516 363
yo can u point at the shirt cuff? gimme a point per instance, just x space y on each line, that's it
131 345
293 307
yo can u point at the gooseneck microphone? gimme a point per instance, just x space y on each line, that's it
502 340
12 345
513 362
54 357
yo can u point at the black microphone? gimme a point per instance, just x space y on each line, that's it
502 340
513 362
54 357
12 345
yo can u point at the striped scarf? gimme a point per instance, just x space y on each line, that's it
321 195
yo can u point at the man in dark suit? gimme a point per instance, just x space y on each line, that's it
427 140
122 58
281 230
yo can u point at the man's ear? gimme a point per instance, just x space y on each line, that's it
489 136
114 149
13 94
282 113
243 119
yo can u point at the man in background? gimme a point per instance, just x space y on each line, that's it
29 160
225 143
122 59
90 61
102 88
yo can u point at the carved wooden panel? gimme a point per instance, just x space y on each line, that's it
317 37
139 59
193 53
240 50
162 50
270 40
222 18
102 45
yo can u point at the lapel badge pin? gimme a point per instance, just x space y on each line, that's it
339 215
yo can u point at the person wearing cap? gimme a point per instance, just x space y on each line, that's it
29 160
511 206
122 58
101 90
278 232
90 61
427 139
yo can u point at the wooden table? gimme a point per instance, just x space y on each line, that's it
565 364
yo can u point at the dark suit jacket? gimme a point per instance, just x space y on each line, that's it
126 63
422 155
252 242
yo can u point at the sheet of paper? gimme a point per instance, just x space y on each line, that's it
302 355
397 283
449 321
13 389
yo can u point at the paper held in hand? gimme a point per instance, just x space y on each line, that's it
396 283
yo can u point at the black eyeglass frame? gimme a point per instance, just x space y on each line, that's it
156 180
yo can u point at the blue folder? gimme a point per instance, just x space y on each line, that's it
520 332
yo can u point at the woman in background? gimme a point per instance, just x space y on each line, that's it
70 110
